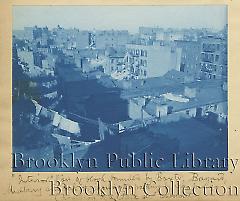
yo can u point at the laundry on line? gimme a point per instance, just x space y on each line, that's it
57 120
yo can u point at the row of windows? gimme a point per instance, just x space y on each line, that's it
210 47
209 67
140 62
209 57
140 72
143 62
138 52
115 61
209 75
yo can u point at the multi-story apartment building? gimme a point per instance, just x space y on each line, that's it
213 64
190 57
104 39
71 38
155 60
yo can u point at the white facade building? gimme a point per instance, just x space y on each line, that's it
155 60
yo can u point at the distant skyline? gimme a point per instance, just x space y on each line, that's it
120 17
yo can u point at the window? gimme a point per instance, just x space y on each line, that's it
145 63
145 73
169 110
187 112
204 46
145 53
182 67
137 52
216 57
215 68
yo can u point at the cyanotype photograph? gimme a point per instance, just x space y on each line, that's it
119 88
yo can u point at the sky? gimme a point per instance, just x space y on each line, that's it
120 17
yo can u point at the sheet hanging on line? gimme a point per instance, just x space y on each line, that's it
56 119
69 125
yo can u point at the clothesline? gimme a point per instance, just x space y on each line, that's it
57 119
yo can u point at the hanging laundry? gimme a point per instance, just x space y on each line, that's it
44 112
64 124
47 113
69 126
37 107
51 114
56 119
74 127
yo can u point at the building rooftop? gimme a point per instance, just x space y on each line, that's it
175 75
89 53
145 83
206 96
115 53
160 85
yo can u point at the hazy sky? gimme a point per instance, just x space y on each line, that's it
120 17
